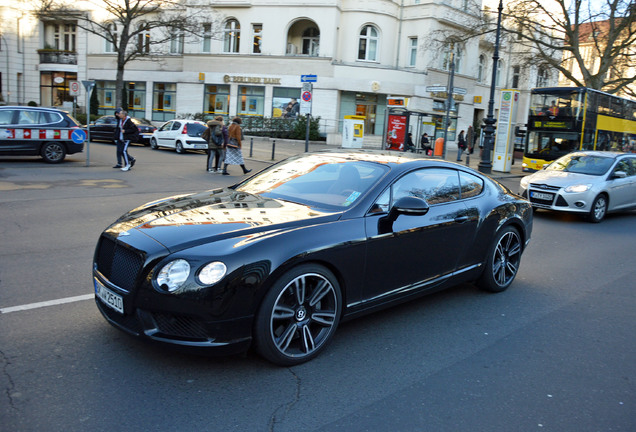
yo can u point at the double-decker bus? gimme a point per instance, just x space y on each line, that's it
565 119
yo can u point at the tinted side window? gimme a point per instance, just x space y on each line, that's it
435 185
28 117
6 117
471 185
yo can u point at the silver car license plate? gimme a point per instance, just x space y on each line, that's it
109 298
541 196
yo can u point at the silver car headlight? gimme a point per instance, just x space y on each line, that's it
212 273
173 275
578 188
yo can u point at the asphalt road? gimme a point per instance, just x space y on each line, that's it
555 352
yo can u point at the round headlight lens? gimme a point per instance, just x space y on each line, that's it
578 188
173 274
212 273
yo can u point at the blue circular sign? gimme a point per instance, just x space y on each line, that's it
78 136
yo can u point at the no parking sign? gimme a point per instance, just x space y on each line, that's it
74 88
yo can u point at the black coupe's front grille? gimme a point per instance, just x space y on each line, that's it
118 264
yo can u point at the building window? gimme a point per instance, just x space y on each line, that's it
412 51
456 51
105 96
207 38
499 69
257 31
231 36
481 68
311 41
176 43
216 100
109 44
64 37
516 72
143 40
164 101
281 98
251 101
543 76
368 44
54 88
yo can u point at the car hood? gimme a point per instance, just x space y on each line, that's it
190 220
560 178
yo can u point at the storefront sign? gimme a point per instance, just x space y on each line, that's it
250 80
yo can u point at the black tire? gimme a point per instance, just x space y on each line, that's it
298 316
503 261
179 148
599 209
53 152
153 144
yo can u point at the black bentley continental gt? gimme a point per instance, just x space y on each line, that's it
278 260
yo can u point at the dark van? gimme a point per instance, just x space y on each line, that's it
35 131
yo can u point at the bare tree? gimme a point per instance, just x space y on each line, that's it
134 28
595 38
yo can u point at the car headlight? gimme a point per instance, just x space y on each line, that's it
173 275
578 188
212 273
524 182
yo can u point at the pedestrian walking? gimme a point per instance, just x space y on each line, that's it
125 132
461 145
217 136
233 154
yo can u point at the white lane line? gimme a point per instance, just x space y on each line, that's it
46 303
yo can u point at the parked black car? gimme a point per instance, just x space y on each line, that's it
104 127
35 131
280 258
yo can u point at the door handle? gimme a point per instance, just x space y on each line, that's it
461 219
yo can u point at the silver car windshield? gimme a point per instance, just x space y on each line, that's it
582 164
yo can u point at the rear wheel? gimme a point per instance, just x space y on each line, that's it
598 210
53 152
179 148
503 261
298 316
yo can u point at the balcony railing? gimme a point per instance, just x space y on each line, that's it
58 57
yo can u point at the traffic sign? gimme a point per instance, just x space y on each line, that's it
74 88
78 136
306 96
308 78
88 85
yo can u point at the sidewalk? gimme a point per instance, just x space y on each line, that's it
272 150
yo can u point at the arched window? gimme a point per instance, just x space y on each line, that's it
481 69
231 36
311 41
368 44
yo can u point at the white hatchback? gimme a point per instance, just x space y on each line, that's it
180 135
592 183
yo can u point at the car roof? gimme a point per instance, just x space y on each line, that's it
26 107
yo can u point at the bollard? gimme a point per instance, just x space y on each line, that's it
273 148
251 146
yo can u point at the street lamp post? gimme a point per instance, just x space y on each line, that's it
485 164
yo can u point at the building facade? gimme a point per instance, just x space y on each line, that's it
249 60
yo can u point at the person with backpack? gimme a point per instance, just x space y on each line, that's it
125 132
217 136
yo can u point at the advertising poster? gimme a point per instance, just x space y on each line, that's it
396 133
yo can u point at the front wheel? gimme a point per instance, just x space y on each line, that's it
598 210
503 261
298 316
53 152
153 144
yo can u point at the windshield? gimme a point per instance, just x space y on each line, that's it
557 104
323 181
582 164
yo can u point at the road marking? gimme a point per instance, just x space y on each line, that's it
47 303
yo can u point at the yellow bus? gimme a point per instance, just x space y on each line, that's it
565 119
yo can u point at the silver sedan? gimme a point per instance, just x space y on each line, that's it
592 183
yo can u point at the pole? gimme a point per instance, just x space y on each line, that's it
449 98
307 134
485 164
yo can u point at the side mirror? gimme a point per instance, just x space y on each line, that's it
410 205
619 174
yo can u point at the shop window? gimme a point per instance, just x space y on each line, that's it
216 100
164 101
251 101
282 99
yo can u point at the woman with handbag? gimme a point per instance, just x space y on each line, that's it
233 154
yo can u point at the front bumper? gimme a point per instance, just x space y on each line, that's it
557 199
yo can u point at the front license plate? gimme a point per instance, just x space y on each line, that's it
541 196
109 298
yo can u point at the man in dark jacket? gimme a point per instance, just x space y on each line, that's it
125 132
